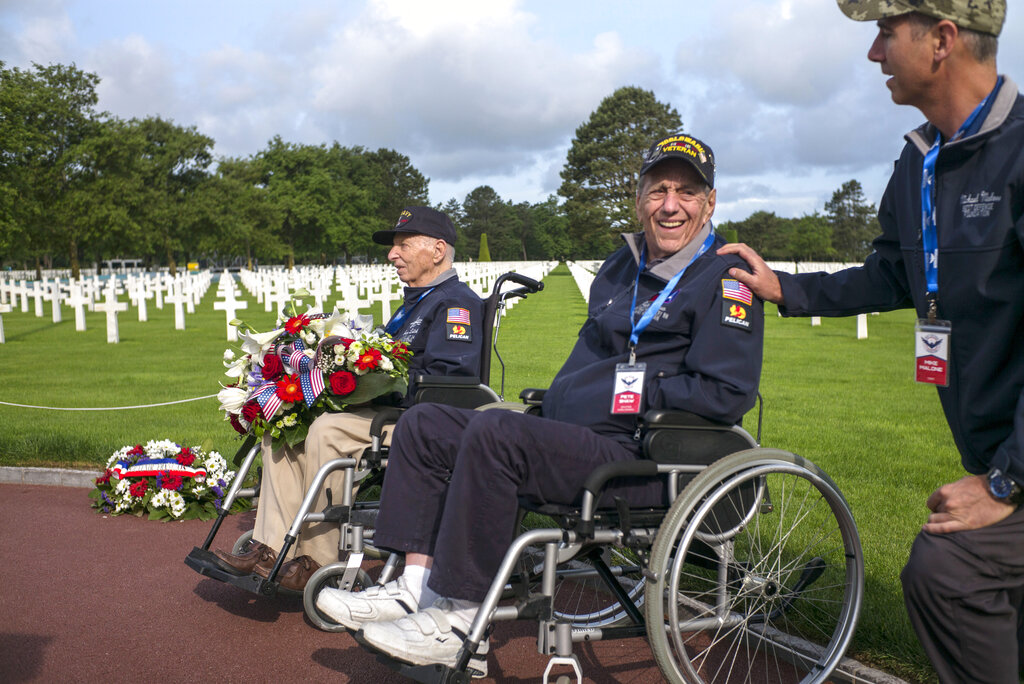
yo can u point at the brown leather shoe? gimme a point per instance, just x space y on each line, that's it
243 563
293 575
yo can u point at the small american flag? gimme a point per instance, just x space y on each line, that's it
458 316
734 289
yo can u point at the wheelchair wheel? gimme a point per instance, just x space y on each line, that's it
243 543
329 576
582 597
758 574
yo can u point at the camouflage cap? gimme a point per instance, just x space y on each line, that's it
984 16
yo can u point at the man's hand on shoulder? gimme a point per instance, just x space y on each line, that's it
964 505
761 279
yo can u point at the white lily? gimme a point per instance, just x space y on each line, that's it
257 344
238 368
232 399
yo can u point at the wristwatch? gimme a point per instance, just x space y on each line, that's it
1002 488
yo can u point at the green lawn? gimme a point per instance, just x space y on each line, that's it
848 405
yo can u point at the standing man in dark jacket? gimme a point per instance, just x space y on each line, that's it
439 321
667 328
952 247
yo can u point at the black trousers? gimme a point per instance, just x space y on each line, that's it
455 477
965 595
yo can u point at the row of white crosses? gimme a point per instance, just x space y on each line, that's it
94 294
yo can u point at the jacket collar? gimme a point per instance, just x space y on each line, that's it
923 137
413 293
666 268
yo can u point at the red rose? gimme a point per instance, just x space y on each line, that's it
272 367
105 477
186 457
289 389
137 450
343 383
138 488
233 419
368 360
296 323
251 411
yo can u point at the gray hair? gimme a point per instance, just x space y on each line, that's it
982 46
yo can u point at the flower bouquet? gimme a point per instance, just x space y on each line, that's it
309 364
168 481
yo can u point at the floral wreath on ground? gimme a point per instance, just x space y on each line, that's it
165 480
311 363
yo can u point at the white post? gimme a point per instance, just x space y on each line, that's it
815 321
862 326
111 306
4 308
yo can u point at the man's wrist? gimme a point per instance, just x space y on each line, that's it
1003 488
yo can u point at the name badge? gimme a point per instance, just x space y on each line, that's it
931 351
629 388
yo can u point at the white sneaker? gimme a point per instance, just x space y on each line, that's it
432 636
353 609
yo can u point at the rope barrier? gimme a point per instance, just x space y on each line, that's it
111 408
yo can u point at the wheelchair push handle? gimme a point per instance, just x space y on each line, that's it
530 284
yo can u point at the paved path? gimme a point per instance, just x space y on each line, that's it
93 598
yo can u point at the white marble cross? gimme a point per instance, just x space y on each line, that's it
862 326
37 294
111 307
230 306
177 298
4 308
22 290
77 301
55 297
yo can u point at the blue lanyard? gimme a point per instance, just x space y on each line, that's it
929 228
396 321
652 310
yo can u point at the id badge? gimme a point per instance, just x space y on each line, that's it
629 388
931 352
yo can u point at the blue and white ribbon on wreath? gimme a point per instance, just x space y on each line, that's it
148 467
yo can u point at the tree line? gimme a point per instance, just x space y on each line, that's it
80 186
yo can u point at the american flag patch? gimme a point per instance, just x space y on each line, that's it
734 289
458 316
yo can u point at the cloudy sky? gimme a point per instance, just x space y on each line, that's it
491 91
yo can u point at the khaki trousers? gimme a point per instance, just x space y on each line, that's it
289 472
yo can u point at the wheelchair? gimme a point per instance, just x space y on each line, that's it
752 572
355 517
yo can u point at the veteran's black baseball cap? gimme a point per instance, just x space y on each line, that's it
419 221
984 16
687 148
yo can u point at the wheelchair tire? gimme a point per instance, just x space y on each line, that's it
242 543
329 576
756 569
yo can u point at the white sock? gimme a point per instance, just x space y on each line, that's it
416 581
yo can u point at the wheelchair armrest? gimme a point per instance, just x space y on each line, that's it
532 395
674 436
446 380
677 418
386 415
640 467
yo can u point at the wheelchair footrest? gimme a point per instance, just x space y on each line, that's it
207 564
428 674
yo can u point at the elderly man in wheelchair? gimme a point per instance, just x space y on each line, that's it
667 329
440 321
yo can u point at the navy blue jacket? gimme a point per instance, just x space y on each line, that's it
702 350
441 345
979 184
